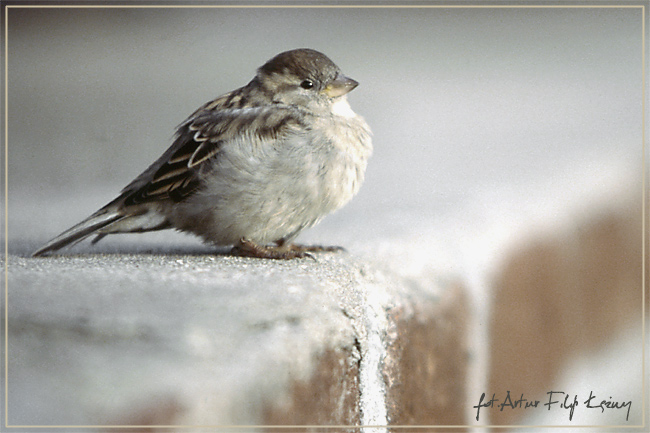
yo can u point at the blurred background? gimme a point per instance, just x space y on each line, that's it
463 102
484 119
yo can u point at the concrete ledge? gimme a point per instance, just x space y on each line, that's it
197 339
561 297
329 397
427 362
399 333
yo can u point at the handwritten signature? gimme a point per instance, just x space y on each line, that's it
556 399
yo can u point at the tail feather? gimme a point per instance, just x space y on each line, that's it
80 231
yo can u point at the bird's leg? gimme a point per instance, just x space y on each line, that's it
248 248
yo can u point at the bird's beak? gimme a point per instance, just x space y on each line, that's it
340 86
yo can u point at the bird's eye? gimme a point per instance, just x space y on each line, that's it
307 84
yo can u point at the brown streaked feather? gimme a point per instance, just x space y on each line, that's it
174 176
205 151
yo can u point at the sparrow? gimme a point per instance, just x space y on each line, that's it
252 168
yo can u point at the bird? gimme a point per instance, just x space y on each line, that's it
252 168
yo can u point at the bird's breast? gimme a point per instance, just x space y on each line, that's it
266 191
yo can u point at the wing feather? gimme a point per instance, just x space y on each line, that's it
205 151
175 175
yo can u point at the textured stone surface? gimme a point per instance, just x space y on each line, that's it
198 339
427 362
329 397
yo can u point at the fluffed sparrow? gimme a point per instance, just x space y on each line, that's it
252 168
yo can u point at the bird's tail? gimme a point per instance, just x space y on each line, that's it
112 218
92 224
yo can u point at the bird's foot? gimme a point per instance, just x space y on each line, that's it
314 248
282 251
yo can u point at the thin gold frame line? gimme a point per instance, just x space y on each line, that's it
644 204
6 188
251 426
326 6
6 203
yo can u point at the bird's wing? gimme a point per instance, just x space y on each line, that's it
175 175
